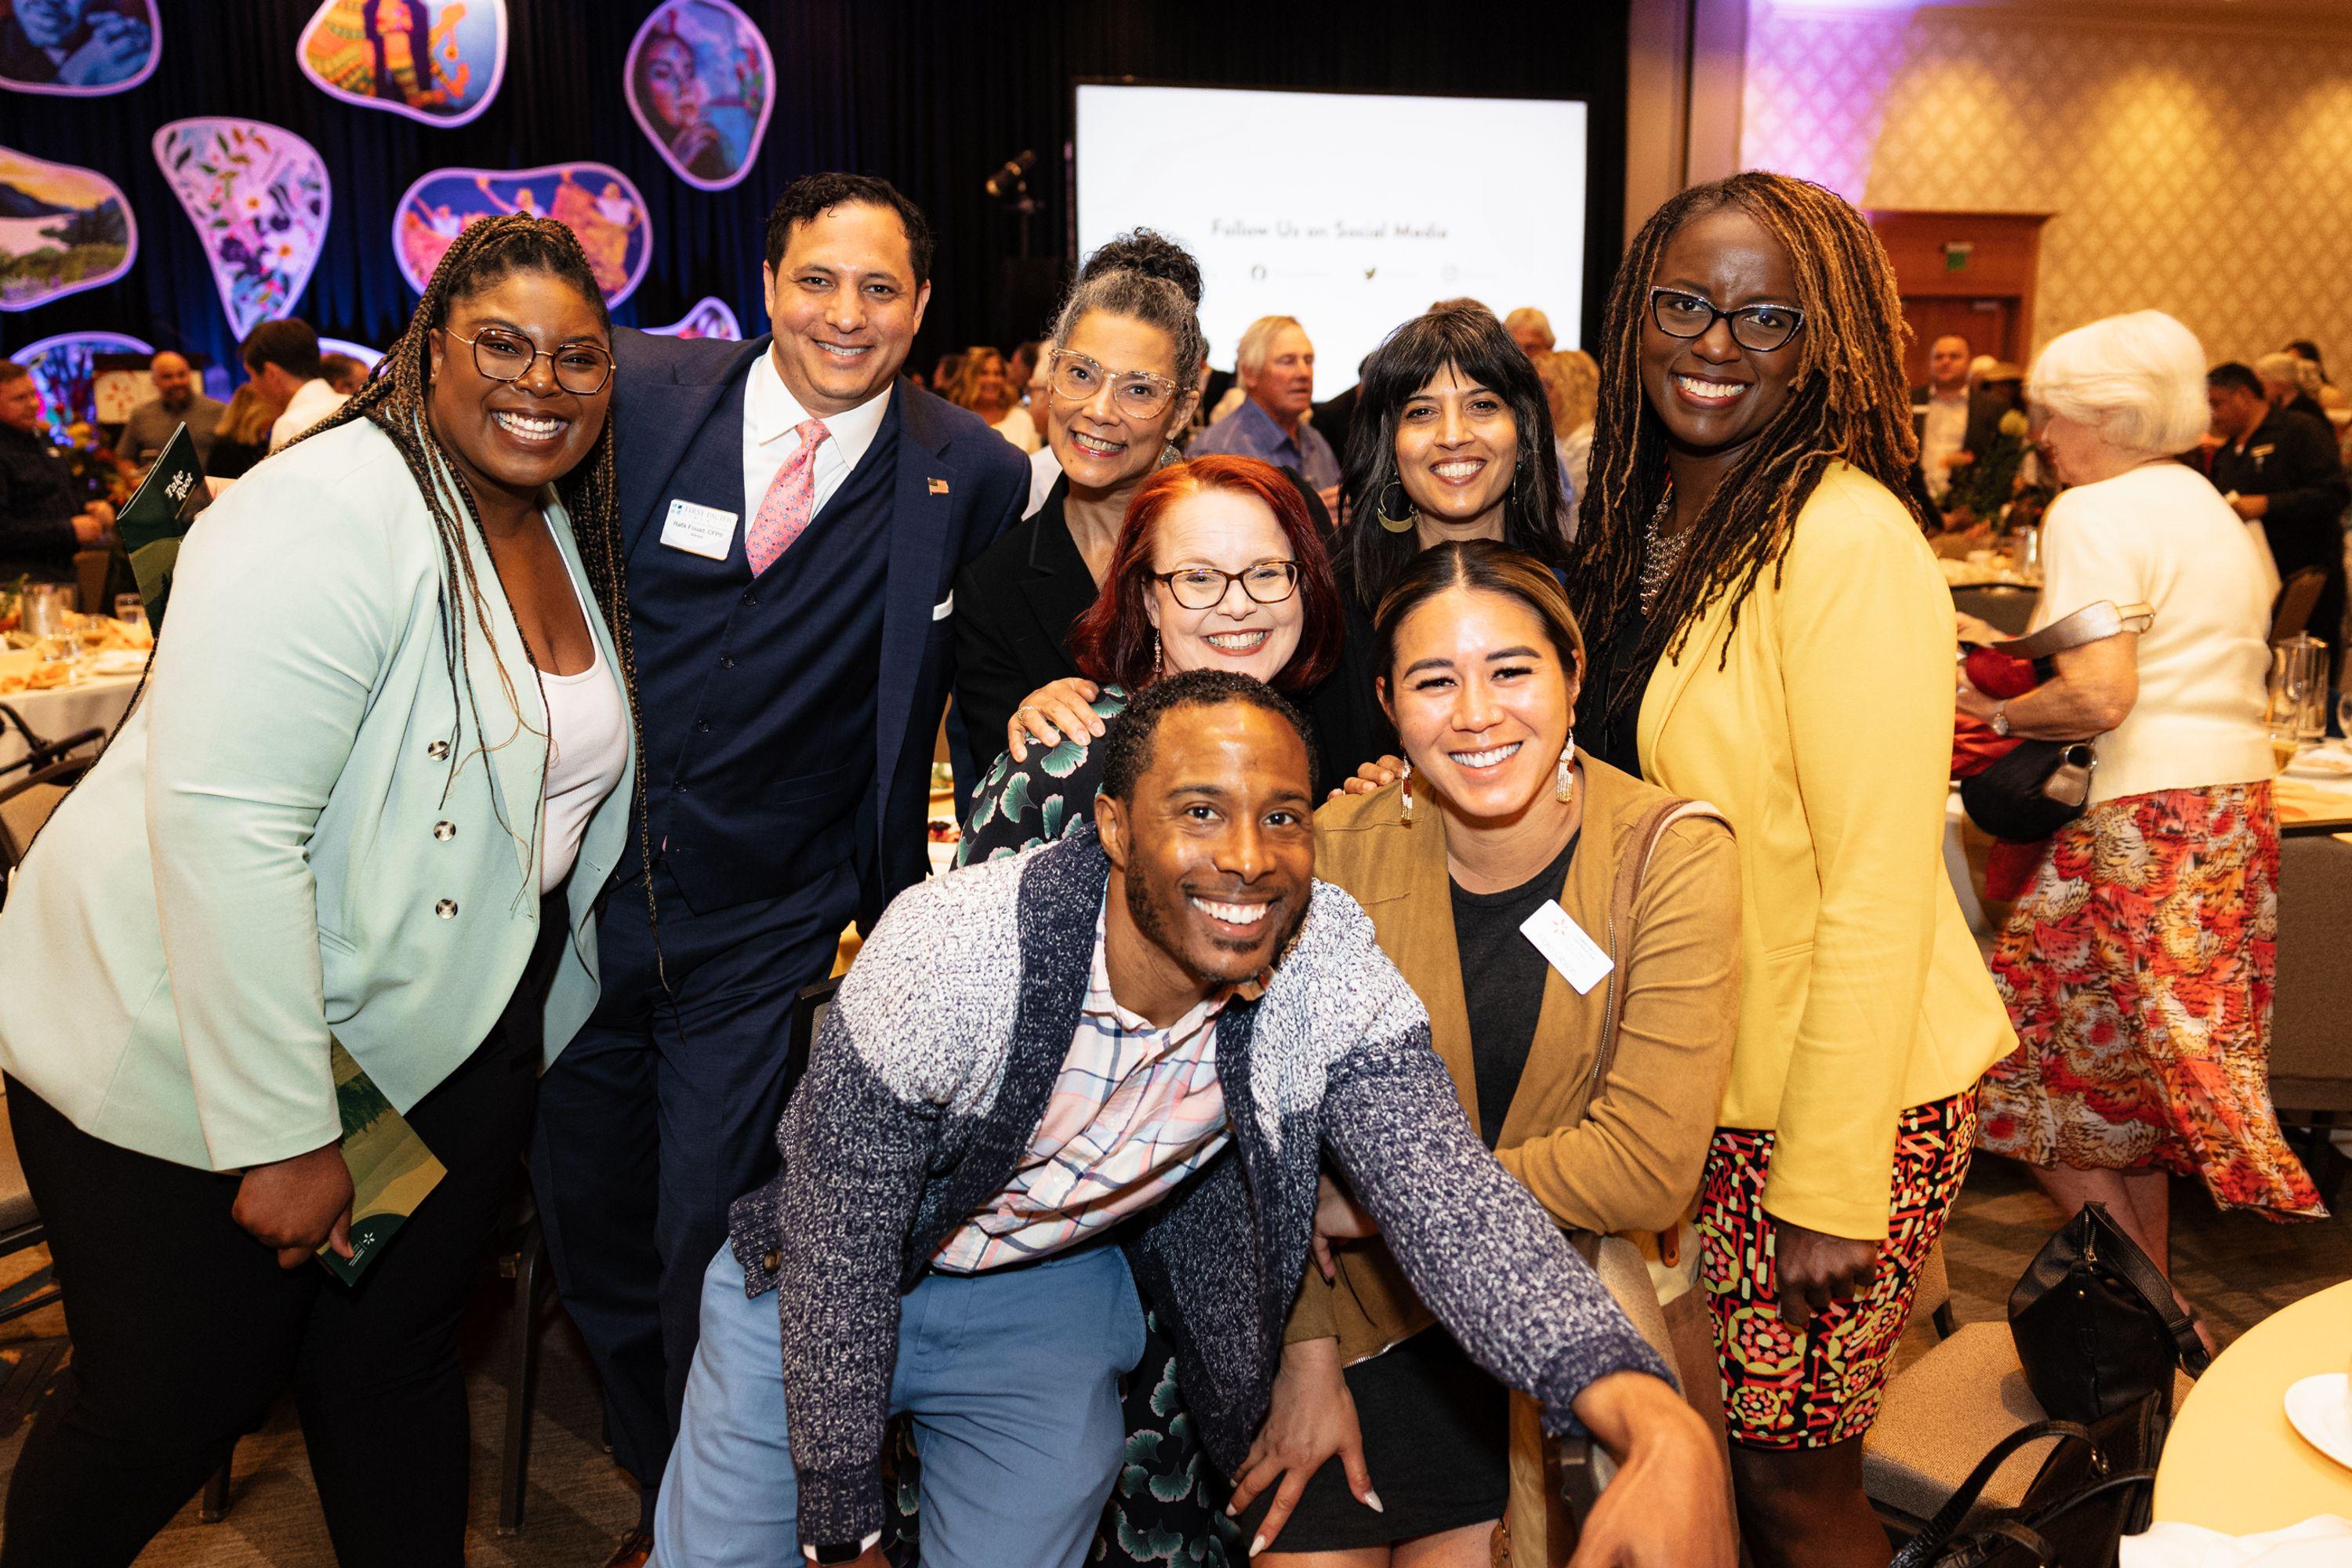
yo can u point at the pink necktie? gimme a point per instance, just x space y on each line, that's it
792 497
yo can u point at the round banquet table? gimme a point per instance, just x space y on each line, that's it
94 702
2233 1463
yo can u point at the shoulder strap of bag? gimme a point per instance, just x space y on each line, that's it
2118 1249
1624 893
1938 1532
2095 622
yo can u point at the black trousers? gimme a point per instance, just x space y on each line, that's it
185 1331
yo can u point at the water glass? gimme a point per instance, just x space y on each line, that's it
45 608
130 609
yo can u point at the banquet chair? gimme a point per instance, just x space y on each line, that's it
2311 999
25 802
2298 596
2002 605
20 1227
90 570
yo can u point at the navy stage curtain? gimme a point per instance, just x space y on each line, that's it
933 94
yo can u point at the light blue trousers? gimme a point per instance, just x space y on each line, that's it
1010 1379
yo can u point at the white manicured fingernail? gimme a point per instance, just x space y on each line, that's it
1257 1544
1372 1501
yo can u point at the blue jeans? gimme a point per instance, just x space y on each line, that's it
1011 1382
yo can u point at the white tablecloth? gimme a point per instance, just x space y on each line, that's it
97 703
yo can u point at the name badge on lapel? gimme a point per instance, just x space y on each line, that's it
698 530
1566 948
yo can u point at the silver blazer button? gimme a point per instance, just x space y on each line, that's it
445 831
447 909
438 751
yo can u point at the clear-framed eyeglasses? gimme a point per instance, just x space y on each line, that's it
581 369
1204 587
1135 394
1763 328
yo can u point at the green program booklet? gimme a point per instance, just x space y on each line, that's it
156 518
392 1170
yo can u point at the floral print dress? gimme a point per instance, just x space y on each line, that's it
1020 806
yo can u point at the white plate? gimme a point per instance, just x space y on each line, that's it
2318 1407
2332 761
118 661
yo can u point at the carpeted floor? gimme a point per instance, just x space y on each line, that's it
2236 1268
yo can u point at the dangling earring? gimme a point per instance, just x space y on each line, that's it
1404 801
1155 656
1380 512
1564 789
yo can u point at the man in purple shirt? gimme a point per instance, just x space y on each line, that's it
1277 366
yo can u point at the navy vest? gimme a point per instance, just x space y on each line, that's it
758 696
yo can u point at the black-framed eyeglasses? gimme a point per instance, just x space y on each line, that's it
1136 394
1763 328
581 369
1204 587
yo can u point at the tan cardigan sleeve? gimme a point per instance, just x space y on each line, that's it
1633 1163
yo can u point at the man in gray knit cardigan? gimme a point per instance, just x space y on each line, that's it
1104 1071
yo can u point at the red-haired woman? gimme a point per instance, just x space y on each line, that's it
1218 566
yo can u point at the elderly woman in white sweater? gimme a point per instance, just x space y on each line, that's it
2150 925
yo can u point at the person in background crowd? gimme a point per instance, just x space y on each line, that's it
944 372
1277 366
283 357
1941 411
2283 376
1770 634
371 803
1601 1103
1578 379
345 373
1452 440
178 400
1336 417
2280 469
1531 329
982 386
1460 302
74 43
42 520
1021 371
794 516
2138 968
935 1241
242 437
2333 401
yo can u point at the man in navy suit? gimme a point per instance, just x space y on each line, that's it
794 516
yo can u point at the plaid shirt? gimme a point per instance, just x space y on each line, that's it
1135 1110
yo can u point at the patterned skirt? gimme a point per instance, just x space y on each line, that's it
2137 971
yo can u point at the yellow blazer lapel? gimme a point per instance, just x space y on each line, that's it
1673 677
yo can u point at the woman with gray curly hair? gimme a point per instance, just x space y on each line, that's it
2137 967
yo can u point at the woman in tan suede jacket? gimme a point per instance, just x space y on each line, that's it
1593 1064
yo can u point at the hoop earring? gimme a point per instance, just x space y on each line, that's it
1404 800
1380 509
1564 787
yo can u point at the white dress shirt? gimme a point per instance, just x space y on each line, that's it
312 401
771 418
1946 430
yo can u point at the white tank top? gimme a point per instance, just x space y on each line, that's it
587 747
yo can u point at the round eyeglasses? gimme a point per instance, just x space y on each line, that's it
581 369
1134 393
1204 587
1760 327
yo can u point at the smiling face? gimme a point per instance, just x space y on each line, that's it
1712 394
1099 447
1285 384
845 306
1214 857
1222 530
48 24
515 436
988 382
1457 447
1482 702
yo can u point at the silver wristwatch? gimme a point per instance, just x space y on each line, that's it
1999 718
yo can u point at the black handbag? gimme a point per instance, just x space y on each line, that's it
2074 1515
2040 786
2097 1329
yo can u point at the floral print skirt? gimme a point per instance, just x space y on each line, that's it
2138 971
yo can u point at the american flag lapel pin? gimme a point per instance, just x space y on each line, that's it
939 487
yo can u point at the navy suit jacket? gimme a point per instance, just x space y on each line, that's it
960 484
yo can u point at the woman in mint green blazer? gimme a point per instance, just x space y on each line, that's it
377 782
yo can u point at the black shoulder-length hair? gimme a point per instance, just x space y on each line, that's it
1474 345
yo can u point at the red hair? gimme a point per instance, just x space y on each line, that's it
1113 641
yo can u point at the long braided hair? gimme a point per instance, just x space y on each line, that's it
1851 404
396 400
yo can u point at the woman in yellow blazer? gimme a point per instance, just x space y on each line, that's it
1771 635
1496 822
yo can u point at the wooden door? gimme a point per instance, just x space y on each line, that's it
1969 274
1989 322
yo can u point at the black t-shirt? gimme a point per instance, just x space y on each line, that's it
1503 983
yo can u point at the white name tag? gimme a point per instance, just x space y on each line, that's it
944 608
698 530
1565 946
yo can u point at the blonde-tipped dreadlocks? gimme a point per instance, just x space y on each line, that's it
1850 403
